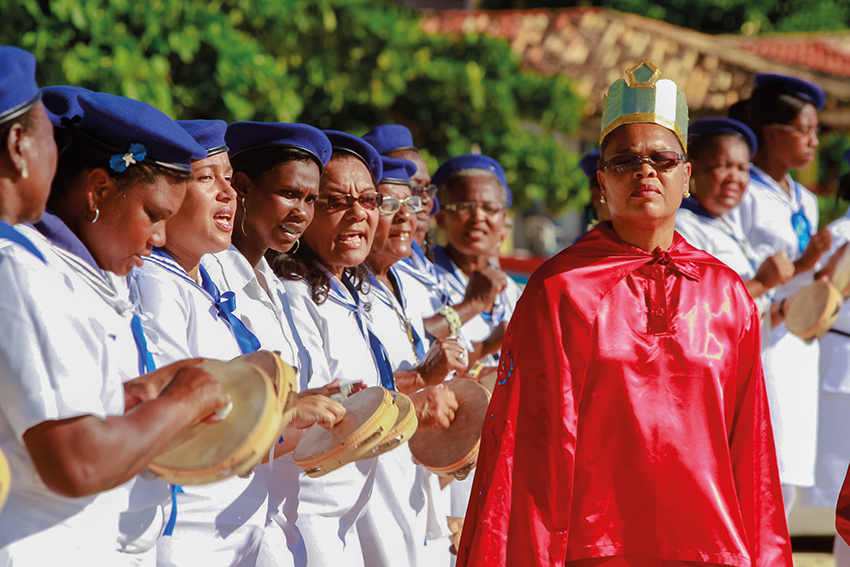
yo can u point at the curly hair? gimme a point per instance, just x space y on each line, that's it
305 265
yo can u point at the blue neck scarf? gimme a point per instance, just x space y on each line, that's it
379 352
799 222
8 232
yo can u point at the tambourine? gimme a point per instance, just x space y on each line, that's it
405 426
813 310
233 446
282 375
841 274
370 415
453 452
5 479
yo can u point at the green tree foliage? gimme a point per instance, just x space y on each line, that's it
717 16
342 64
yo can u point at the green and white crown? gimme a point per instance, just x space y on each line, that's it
644 98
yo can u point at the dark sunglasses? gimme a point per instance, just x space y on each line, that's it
628 163
369 201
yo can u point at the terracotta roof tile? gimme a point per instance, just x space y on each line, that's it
593 46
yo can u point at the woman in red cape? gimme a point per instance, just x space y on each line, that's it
629 425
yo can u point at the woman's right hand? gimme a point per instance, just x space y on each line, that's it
199 393
818 245
435 406
775 271
444 357
316 409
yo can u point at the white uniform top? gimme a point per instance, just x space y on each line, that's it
138 533
329 506
479 327
723 238
267 315
54 365
401 515
220 523
425 288
790 365
834 347
833 448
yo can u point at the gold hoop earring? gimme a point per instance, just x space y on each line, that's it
25 173
96 215
244 214
295 246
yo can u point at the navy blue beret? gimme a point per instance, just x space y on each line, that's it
783 84
62 105
397 171
468 161
721 125
136 131
390 138
18 89
359 147
208 133
244 136
589 164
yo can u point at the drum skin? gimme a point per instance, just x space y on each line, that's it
453 452
841 275
813 310
5 479
405 426
209 453
370 415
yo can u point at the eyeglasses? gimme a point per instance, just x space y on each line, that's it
391 205
369 201
804 130
469 207
425 192
628 163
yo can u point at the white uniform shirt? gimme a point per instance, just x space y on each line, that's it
479 327
329 506
54 365
723 238
267 315
834 347
790 364
401 514
138 533
220 523
425 288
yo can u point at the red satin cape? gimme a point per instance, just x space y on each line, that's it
629 417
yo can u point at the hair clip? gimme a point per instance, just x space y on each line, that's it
119 162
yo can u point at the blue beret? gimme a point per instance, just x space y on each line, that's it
137 131
589 164
397 171
783 84
18 89
208 133
359 147
62 105
721 125
244 136
468 161
390 138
